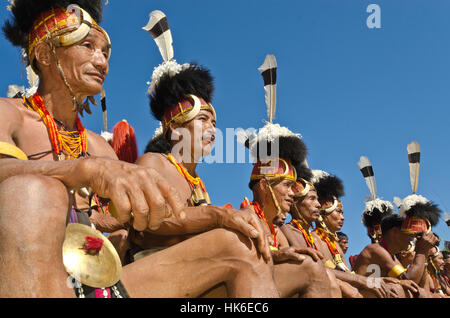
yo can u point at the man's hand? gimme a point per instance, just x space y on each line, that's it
246 222
295 254
426 242
131 188
409 286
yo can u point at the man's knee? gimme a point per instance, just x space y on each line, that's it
234 244
314 269
31 200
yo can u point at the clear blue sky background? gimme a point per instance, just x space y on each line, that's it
349 90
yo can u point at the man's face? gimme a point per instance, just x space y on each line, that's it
344 244
309 206
85 64
447 264
201 134
438 261
335 219
403 240
284 193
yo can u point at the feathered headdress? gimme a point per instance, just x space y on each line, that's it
420 213
58 23
273 142
26 12
177 92
375 208
329 189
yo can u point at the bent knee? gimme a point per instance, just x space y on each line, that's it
234 244
30 185
30 200
315 269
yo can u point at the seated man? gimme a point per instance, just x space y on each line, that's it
295 273
343 241
331 219
227 262
36 196
382 254
306 210
433 280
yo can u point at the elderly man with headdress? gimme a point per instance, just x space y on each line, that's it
64 45
276 149
213 247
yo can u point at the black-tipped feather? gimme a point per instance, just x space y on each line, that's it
25 12
427 210
194 80
329 186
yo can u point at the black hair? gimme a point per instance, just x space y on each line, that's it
158 144
341 235
390 221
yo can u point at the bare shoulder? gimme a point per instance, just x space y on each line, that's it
152 160
371 251
10 109
11 119
98 146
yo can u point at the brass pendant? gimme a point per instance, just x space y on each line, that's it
199 197
100 270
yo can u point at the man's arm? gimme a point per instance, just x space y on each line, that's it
131 188
417 268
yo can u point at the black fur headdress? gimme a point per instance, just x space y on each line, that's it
327 186
376 215
25 12
195 80
304 172
419 207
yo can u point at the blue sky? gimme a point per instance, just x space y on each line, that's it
349 90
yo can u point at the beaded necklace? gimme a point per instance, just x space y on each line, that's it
74 143
309 239
199 194
333 249
260 214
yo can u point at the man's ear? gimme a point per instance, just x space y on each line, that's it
43 55
262 184
174 132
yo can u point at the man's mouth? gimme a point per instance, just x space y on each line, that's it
97 75
209 138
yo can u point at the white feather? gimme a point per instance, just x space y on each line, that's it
13 90
397 202
409 202
446 216
107 136
376 204
414 147
370 181
270 90
164 41
318 175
